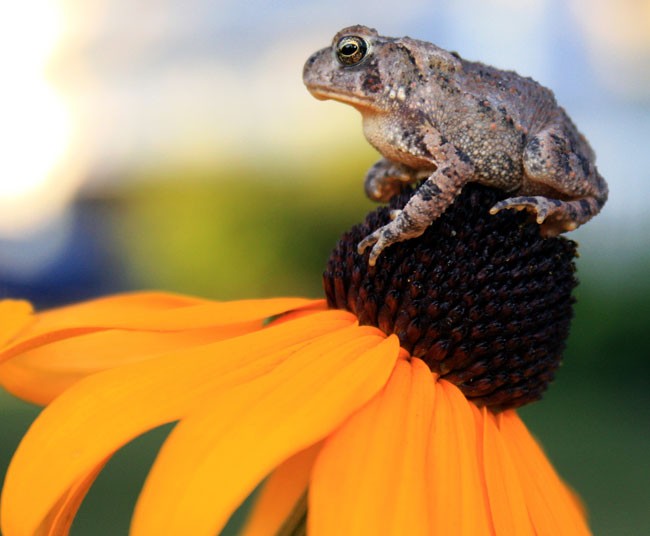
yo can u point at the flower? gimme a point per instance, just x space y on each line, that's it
368 429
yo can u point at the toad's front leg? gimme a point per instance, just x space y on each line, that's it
430 200
386 178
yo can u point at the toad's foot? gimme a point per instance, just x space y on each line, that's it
379 240
386 179
553 215
401 228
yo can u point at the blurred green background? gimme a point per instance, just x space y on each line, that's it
196 162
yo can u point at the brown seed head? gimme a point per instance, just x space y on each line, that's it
483 300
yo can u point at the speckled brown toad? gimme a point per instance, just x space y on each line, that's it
444 120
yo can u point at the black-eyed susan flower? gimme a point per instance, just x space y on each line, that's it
386 409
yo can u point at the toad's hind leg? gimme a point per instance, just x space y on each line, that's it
559 160
553 215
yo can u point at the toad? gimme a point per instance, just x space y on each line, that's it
442 121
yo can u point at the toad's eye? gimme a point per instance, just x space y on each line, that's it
351 50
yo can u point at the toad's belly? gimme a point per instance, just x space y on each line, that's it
396 142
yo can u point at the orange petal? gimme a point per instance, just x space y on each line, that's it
214 458
101 413
504 487
145 312
370 476
104 312
14 316
457 495
552 507
62 515
44 372
281 493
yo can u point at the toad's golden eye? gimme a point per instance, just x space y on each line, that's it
351 50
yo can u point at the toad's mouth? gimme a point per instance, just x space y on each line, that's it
324 93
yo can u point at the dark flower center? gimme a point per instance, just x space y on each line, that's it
484 300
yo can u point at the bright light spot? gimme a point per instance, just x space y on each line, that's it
35 127
618 39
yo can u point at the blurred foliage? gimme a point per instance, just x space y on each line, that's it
244 233
267 231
